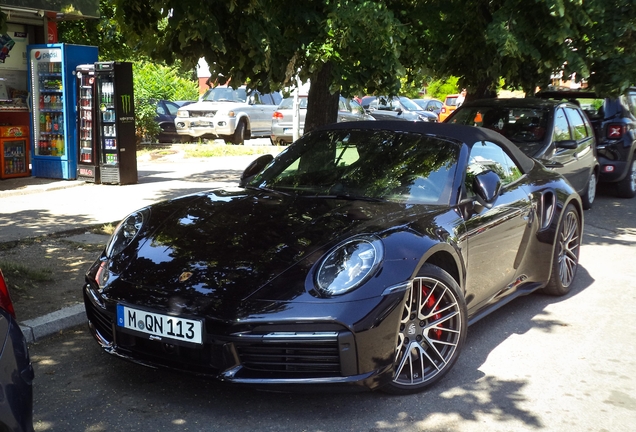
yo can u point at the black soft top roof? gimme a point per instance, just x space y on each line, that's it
468 135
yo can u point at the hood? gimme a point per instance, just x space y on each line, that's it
221 247
211 106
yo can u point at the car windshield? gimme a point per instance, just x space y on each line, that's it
409 104
525 126
365 164
225 94
288 103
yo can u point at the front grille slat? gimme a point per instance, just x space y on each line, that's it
309 355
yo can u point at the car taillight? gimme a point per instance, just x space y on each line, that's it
5 298
277 115
615 131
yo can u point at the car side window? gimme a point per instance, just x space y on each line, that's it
578 124
160 110
486 155
267 99
561 127
342 106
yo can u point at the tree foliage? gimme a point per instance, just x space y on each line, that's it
367 47
151 83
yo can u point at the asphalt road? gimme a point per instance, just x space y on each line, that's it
538 364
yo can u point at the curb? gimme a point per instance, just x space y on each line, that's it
38 328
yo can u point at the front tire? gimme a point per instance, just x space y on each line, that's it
239 133
566 253
431 333
590 192
626 188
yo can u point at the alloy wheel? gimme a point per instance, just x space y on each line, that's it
569 242
430 332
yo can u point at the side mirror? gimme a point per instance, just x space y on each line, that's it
566 144
255 168
487 186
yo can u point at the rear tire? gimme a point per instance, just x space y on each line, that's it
626 188
565 260
431 334
590 192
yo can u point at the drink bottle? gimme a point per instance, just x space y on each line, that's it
48 123
60 146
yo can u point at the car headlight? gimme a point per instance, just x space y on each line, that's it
349 265
423 117
126 232
183 113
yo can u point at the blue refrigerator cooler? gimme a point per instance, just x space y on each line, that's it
53 102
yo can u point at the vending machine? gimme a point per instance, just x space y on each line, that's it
88 158
14 151
53 96
116 122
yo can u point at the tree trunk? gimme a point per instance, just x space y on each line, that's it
322 106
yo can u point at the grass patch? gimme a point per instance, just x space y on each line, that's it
219 150
19 276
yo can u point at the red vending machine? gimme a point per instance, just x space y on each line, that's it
88 157
116 122
14 151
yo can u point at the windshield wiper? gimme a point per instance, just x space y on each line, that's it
346 196
264 189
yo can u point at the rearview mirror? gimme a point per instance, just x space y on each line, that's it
255 168
487 186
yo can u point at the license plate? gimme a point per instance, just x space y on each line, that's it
288 131
159 326
200 124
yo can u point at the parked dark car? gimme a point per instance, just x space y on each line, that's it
358 256
432 105
614 121
558 134
396 108
16 371
166 113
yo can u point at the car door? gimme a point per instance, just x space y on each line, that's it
259 121
583 134
495 235
384 108
565 161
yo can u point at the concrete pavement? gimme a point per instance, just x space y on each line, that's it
32 207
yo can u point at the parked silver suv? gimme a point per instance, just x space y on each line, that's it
230 114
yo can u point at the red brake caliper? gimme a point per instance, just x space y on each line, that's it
430 303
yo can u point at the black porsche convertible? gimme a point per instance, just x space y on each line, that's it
358 256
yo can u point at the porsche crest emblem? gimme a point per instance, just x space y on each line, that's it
185 276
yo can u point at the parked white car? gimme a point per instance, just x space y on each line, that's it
230 114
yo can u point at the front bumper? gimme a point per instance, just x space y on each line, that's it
270 349
200 126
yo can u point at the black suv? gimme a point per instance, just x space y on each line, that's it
557 134
614 122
